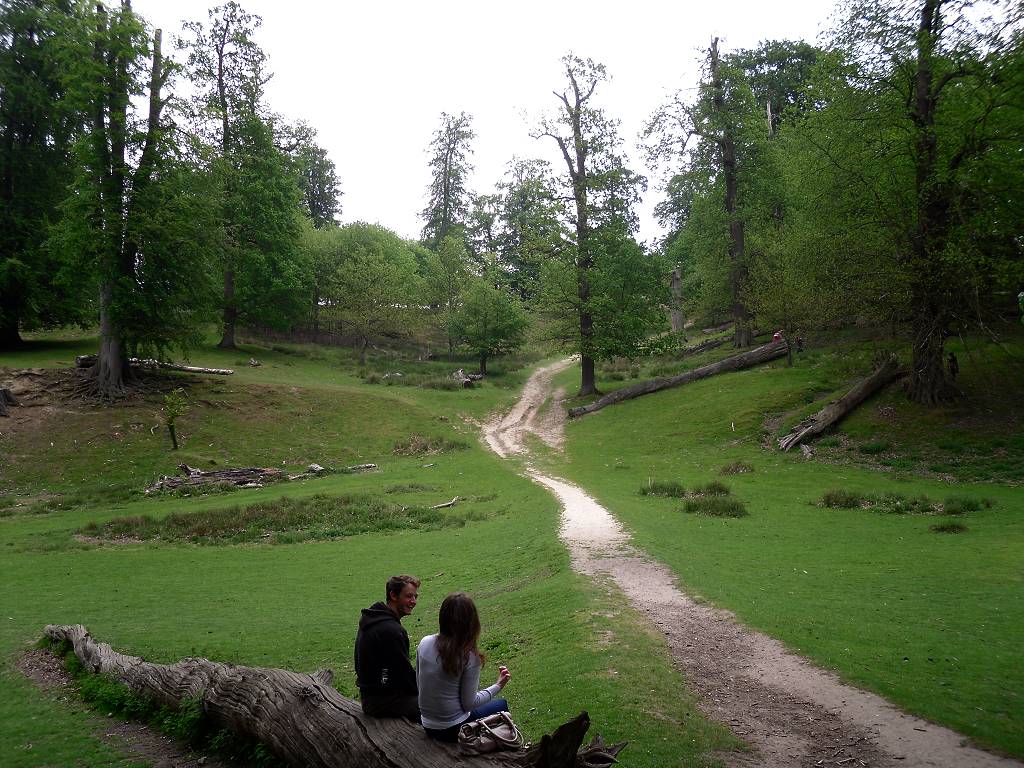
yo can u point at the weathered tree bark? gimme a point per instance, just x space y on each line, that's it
87 361
300 718
227 339
242 477
738 362
675 311
838 409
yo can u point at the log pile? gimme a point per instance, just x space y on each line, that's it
836 410
88 361
306 722
242 477
763 354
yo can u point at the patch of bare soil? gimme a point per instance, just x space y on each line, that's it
136 741
790 712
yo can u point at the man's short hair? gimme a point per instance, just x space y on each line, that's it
396 584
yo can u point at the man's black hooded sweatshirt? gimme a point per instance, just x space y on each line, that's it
382 655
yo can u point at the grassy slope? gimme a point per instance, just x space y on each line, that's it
930 621
296 605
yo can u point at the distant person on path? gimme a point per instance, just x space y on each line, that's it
384 674
448 672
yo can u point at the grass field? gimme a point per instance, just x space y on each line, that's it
929 620
570 644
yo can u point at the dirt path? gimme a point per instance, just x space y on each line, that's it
789 711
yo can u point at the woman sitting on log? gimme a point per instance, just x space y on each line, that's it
448 672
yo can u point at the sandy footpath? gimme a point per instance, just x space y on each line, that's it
790 712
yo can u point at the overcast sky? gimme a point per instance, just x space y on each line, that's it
372 78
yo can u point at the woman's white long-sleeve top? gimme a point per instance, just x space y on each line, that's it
447 700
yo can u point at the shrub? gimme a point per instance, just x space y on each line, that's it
372 378
875 447
840 498
663 488
715 506
714 488
949 528
961 505
736 468
441 382
898 504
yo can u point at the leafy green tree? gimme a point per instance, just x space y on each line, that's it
135 217
489 321
446 274
316 174
922 126
377 291
38 124
530 225
448 200
263 282
603 192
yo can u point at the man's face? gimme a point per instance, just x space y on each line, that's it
403 603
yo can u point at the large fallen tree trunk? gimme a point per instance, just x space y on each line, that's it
6 399
838 409
301 718
87 361
735 363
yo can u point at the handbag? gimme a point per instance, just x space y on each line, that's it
489 734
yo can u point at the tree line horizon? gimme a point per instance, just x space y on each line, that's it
874 177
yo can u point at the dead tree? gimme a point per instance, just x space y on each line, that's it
87 361
838 409
301 718
749 359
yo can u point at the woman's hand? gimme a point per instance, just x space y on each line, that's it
503 676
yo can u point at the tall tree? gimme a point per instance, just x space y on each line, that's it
719 118
926 126
135 214
602 191
446 273
448 197
315 171
530 225
38 123
229 72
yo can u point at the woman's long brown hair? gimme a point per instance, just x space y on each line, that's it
459 625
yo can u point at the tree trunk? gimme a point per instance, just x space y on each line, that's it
928 383
675 312
362 351
483 365
227 340
111 369
743 333
10 338
301 718
754 357
837 410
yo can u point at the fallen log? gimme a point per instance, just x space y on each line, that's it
836 410
754 357
704 346
87 361
302 719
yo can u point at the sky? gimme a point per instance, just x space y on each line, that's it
373 78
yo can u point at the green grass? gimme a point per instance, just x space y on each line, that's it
292 600
932 622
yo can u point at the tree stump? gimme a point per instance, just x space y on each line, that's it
303 720
6 399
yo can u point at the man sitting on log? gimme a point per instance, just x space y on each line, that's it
384 674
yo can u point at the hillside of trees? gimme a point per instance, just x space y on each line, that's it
875 177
